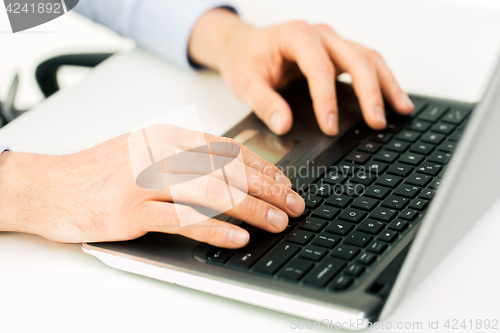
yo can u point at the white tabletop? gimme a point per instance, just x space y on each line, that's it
434 47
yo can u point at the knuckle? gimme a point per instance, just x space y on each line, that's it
300 26
375 55
212 188
212 230
326 28
255 208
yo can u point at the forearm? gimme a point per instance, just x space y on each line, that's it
212 34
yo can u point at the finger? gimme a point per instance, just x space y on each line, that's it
231 171
398 99
165 218
268 105
219 197
302 45
365 80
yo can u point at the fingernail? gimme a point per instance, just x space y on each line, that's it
277 219
238 237
276 122
332 121
405 99
295 203
281 178
380 115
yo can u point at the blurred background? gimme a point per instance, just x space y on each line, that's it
428 25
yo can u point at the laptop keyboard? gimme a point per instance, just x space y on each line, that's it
361 207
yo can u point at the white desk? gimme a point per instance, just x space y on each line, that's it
45 286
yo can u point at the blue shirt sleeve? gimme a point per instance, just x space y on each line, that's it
161 26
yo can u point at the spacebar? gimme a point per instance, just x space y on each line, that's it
327 158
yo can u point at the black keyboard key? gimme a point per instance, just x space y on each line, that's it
435 184
320 189
358 239
377 247
447 146
352 215
344 251
218 255
340 283
248 255
312 201
355 269
419 125
292 223
375 167
339 227
369 147
295 269
350 189
443 128
418 179
305 214
380 136
366 258
334 176
364 177
275 259
388 180
456 115
434 138
422 148
418 204
324 272
407 135
430 168
386 156
455 136
439 157
300 237
383 214
364 203
346 168
408 214
325 212
360 131
388 236
376 192
408 191
340 201
432 113
427 194
327 240
371 226
397 145
312 224
252 230
358 157
395 202
419 105
398 225
400 169
313 253
411 158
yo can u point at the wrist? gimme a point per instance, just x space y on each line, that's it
212 35
12 191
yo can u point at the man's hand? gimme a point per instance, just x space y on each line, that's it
93 196
254 62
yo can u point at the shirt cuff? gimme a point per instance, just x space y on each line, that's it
164 27
3 148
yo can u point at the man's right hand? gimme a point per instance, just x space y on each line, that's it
92 195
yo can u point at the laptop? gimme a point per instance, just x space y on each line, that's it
366 239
